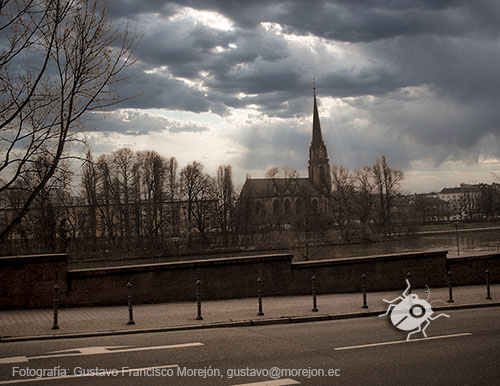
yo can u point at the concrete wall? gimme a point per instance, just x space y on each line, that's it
471 269
221 278
383 272
27 281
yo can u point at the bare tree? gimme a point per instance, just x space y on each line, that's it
196 187
106 194
153 172
89 180
343 196
205 208
123 183
59 59
364 198
387 185
225 200
172 195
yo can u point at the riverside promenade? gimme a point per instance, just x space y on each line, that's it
23 325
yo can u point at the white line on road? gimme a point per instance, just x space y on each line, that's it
402 341
22 359
94 351
277 382
123 371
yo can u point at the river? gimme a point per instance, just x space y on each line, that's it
469 242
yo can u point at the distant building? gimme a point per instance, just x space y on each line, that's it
430 208
280 201
464 201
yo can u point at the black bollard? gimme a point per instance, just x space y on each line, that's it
198 299
315 304
55 325
488 293
130 308
363 287
450 289
259 294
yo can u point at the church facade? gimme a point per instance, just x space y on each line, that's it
290 201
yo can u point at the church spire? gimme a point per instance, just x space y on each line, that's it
316 137
319 165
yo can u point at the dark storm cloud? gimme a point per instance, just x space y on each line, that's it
355 21
261 62
128 9
376 80
424 75
157 90
184 46
134 122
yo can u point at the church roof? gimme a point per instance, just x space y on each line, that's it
272 187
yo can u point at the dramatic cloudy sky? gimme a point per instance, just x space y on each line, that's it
230 82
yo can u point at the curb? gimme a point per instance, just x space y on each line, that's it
231 323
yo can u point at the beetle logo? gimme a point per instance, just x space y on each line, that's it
410 313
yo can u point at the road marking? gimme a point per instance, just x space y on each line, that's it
13 360
118 372
402 341
90 350
82 351
277 382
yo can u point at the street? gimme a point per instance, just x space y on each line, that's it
461 350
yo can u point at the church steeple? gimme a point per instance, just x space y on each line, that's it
319 164
316 138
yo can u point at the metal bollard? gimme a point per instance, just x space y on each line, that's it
315 304
55 326
198 299
488 293
408 276
259 294
363 287
130 308
450 289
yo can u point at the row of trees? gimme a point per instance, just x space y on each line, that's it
142 200
369 200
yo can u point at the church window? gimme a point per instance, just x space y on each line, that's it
276 208
258 207
315 206
298 206
287 206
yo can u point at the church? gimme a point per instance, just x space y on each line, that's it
289 201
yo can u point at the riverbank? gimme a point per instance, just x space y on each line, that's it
462 226
473 238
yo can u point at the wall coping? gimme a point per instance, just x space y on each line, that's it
180 264
495 255
364 259
40 259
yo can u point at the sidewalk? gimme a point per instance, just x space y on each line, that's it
37 324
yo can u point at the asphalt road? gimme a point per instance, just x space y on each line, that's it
463 350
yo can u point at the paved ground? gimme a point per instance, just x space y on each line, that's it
31 323
459 350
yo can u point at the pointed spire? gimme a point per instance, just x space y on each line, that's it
317 137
